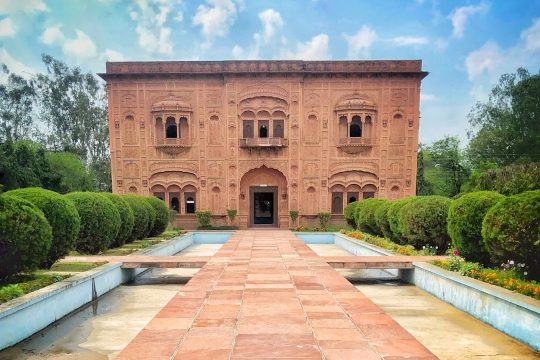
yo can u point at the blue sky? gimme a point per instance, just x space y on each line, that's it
465 45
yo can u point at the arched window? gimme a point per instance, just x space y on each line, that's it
263 131
337 203
248 129
355 129
184 128
175 204
171 131
190 203
351 199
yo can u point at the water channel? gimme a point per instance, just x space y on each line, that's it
102 329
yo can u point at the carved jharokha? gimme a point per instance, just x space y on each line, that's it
264 137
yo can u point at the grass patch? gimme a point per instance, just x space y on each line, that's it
23 284
137 245
222 227
384 243
303 228
75 266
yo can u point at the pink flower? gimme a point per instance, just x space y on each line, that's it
456 252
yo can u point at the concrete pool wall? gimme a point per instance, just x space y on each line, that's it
28 314
514 314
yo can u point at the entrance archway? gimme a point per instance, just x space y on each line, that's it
263 197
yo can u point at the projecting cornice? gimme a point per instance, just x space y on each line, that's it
126 69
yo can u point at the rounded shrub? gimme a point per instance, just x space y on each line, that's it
349 213
423 221
381 219
465 217
127 219
365 215
392 216
511 231
61 214
25 236
100 221
162 215
145 216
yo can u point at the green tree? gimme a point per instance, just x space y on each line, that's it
71 172
506 128
449 158
73 106
24 164
16 99
423 187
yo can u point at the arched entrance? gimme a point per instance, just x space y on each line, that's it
263 197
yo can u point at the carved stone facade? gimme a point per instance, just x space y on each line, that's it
264 137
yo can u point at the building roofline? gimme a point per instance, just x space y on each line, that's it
228 67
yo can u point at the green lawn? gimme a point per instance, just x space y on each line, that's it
25 283
75 266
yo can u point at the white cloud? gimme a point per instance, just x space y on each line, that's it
531 36
314 49
238 52
24 6
81 47
14 65
359 43
271 20
216 19
427 97
52 34
151 16
484 59
112 55
460 16
7 28
409 40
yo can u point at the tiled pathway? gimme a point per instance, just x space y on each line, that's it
267 295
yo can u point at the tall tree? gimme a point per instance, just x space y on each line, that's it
423 187
506 128
73 105
447 155
16 99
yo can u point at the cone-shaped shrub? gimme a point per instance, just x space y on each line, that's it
100 221
423 221
393 219
349 213
127 218
465 217
381 219
365 215
162 215
61 214
511 231
25 236
145 216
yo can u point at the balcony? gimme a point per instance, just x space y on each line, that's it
269 142
172 146
355 145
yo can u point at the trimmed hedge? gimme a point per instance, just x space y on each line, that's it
423 221
61 215
25 236
145 216
127 219
393 219
162 215
511 231
381 219
100 221
465 217
349 213
365 215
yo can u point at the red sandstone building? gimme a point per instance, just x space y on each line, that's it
264 137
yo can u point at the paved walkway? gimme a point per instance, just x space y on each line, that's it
267 295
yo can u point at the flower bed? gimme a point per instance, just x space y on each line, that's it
383 243
509 279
